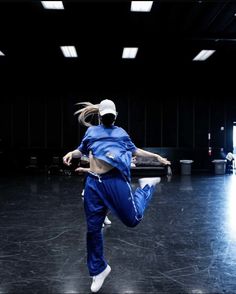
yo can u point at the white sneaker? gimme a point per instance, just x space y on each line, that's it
99 279
149 181
107 221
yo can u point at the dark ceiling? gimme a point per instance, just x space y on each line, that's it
168 38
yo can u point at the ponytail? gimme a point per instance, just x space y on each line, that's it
89 110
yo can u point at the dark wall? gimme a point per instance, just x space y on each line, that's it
162 106
175 126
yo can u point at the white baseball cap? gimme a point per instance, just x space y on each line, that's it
107 106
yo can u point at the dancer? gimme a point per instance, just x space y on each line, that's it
110 150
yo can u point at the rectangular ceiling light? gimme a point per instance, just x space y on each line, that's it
129 52
52 4
141 6
203 55
69 51
1 53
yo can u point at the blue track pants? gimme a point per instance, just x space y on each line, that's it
110 191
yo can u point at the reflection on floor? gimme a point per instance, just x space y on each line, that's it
185 244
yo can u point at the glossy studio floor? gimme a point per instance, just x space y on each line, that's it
185 244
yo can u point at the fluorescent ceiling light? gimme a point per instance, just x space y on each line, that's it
52 4
203 55
1 53
141 6
129 52
69 51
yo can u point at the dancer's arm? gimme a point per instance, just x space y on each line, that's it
82 169
72 154
144 153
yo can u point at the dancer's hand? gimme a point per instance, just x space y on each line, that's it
67 158
82 169
164 160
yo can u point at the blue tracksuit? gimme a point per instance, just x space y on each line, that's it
110 190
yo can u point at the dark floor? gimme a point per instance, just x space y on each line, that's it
185 244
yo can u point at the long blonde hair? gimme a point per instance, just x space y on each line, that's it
89 110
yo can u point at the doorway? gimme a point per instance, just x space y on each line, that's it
234 143
234 138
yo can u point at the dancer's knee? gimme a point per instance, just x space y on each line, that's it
131 223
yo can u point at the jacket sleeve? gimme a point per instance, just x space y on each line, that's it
83 147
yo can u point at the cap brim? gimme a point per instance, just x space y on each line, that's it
106 111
